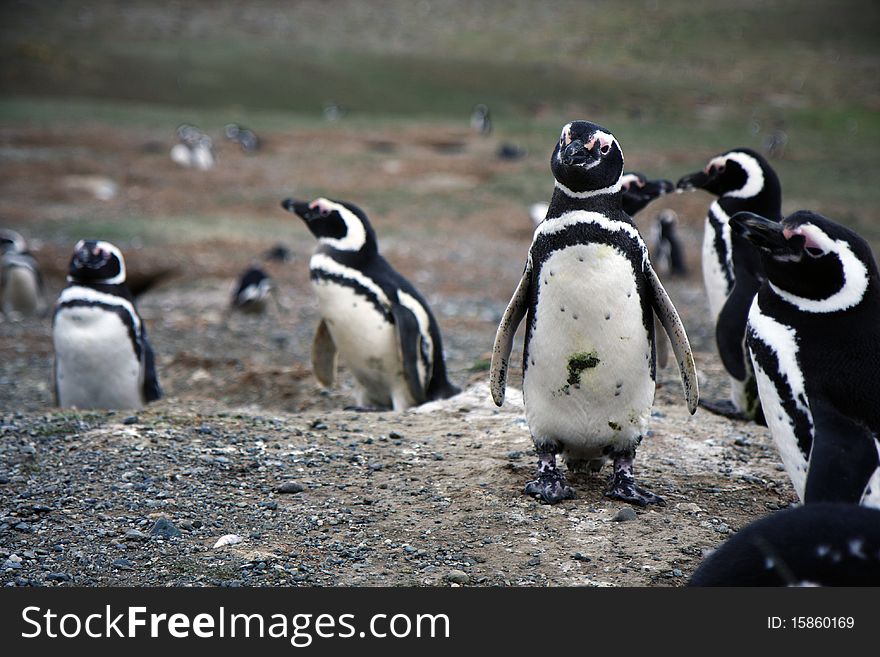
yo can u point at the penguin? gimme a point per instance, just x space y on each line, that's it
22 291
102 356
195 150
821 544
245 137
814 338
371 315
278 253
589 296
252 290
481 122
732 270
668 252
637 190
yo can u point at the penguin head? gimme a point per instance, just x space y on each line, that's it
638 191
739 173
810 260
667 220
337 224
11 242
96 261
586 160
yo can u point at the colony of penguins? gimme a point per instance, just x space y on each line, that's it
795 302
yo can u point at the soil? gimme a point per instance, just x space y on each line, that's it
431 496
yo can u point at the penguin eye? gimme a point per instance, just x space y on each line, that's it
605 149
324 212
814 251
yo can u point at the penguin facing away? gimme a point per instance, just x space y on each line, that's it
668 253
589 296
814 339
813 545
22 291
371 316
481 122
102 356
743 181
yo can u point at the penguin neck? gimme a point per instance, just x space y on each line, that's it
561 202
357 259
767 202
116 289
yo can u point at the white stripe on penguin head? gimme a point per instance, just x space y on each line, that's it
754 174
355 233
855 274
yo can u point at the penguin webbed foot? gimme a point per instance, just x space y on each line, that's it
365 409
550 484
550 488
623 486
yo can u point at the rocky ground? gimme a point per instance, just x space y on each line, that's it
247 473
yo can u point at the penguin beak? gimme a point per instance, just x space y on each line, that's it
575 154
697 180
767 235
657 188
300 208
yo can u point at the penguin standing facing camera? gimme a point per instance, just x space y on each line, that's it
743 181
370 314
589 297
102 356
814 339
22 292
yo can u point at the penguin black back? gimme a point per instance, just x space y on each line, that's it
824 544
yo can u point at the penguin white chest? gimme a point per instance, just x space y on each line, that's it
786 384
96 365
21 291
587 382
365 339
716 259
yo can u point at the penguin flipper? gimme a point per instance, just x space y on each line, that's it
152 390
843 457
409 339
668 316
731 343
324 356
513 315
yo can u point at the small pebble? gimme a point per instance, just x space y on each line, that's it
228 539
624 515
457 577
289 487
131 419
164 529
